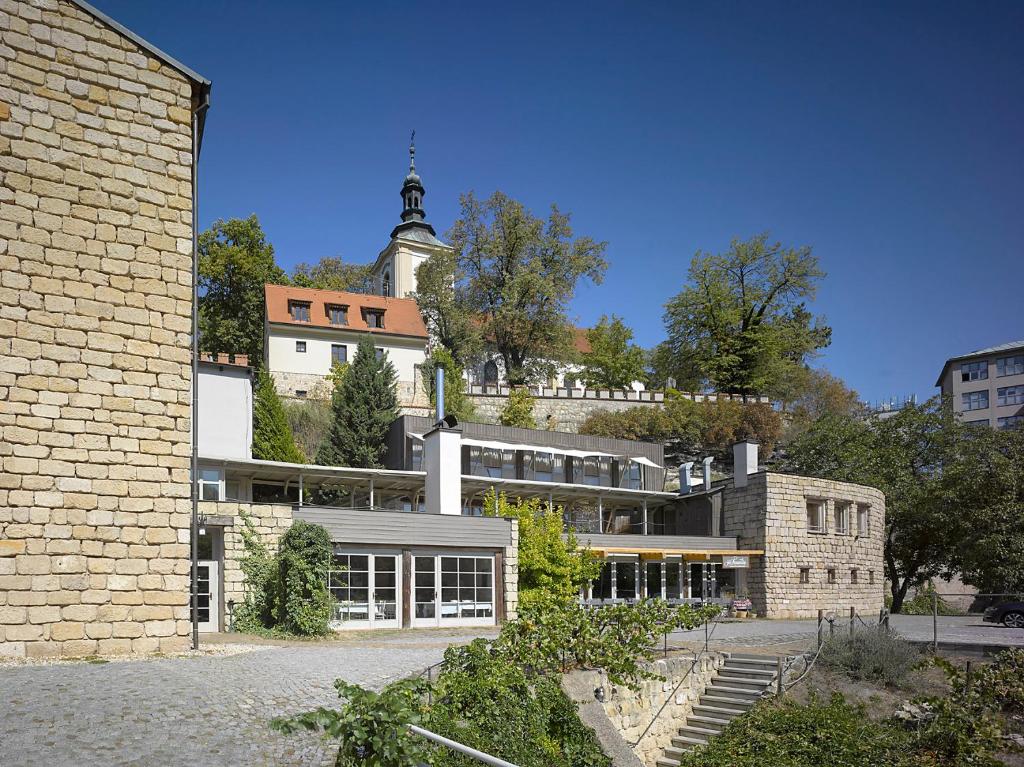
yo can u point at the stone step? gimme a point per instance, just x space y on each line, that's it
745 675
756 685
717 688
754 671
752 658
769 664
717 711
696 730
711 722
726 701
665 761
688 738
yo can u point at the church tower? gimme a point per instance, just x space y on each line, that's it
412 242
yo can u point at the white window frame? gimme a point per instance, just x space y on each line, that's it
438 619
841 514
218 483
822 527
372 621
863 519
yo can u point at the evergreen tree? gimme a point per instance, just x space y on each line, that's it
363 405
272 438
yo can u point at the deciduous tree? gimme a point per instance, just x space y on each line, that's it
449 319
518 410
741 320
612 362
364 403
517 274
235 262
333 273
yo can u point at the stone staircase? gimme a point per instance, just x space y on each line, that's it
736 686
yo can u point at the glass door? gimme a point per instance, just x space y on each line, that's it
425 592
365 591
653 582
207 596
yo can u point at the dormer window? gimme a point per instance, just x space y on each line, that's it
299 311
374 318
337 315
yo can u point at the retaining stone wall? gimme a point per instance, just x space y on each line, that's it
95 307
770 513
630 712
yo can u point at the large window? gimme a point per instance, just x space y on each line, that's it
592 470
1010 422
815 516
1010 366
339 354
974 371
299 311
492 462
543 467
1010 395
974 400
631 475
467 588
625 580
365 590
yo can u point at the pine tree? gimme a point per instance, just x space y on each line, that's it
272 438
363 405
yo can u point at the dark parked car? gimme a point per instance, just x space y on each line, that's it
1010 614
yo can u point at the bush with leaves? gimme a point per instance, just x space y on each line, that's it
285 593
921 603
456 402
497 707
518 411
874 654
371 728
620 639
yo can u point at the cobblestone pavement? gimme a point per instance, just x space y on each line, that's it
760 633
205 711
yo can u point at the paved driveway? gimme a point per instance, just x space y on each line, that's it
207 711
960 629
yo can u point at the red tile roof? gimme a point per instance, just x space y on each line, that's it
401 315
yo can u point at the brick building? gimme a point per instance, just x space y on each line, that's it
96 155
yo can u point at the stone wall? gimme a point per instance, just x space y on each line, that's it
95 306
269 521
770 513
630 712
510 564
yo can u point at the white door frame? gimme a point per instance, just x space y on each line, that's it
443 610
374 621
212 591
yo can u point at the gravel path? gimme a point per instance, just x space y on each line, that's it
210 711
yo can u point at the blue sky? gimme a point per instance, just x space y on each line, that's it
888 137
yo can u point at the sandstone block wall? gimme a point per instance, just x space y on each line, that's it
95 306
630 712
770 513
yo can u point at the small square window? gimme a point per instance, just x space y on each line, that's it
299 311
300 393
374 318
379 351
853 576
831 575
805 575
300 347
339 354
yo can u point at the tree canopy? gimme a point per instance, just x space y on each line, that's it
954 492
741 320
456 402
363 405
612 362
235 262
333 273
515 275
450 322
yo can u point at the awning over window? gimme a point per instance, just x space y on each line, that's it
496 445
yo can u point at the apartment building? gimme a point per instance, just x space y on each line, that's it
986 387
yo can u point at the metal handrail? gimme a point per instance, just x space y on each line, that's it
441 740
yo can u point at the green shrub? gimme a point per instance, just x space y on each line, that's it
286 593
999 684
485 702
372 728
872 654
786 734
921 603
518 410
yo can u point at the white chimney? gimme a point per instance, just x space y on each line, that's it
707 472
744 462
442 459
